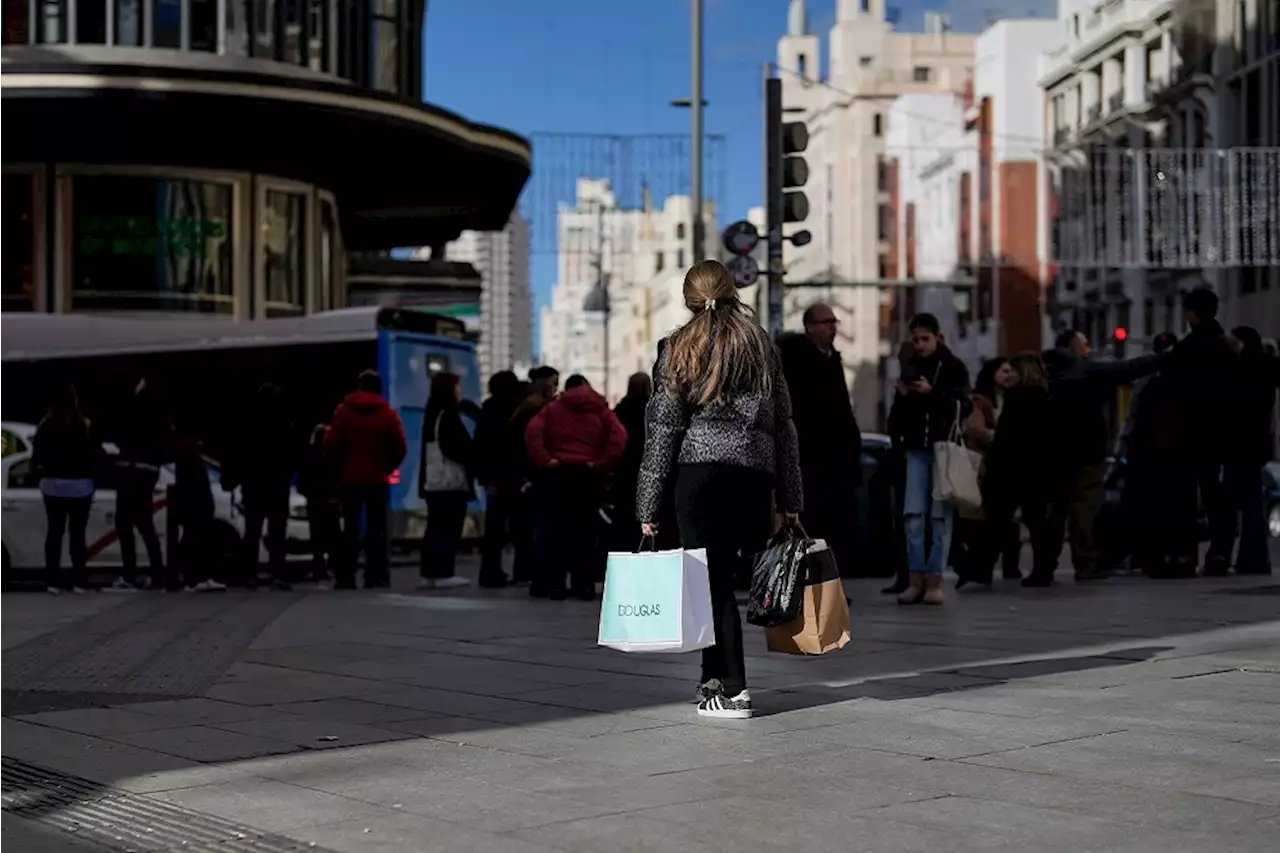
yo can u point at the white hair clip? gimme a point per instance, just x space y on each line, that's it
710 306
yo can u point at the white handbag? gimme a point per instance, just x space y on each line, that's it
442 474
955 470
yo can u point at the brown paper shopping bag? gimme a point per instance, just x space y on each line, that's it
824 626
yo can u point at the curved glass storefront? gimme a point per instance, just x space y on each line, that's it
372 43
170 240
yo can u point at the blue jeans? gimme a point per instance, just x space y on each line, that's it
918 501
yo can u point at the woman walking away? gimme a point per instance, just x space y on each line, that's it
932 393
996 377
67 456
1023 470
446 480
719 423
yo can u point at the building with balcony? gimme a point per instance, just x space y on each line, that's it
964 206
620 271
870 63
227 157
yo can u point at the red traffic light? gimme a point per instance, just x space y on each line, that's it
1122 333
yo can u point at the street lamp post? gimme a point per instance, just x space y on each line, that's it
696 98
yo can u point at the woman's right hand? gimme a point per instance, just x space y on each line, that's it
649 528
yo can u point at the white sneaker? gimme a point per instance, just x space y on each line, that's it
724 708
453 582
78 590
120 585
427 583
53 590
207 586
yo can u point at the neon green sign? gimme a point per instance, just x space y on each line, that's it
144 235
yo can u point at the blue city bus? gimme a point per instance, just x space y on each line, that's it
208 368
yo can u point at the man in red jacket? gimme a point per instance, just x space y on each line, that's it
366 441
574 442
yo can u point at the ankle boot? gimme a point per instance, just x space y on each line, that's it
933 588
914 591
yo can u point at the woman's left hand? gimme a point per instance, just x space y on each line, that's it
789 518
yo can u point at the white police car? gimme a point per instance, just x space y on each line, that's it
23 528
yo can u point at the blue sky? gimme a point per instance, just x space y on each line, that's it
613 66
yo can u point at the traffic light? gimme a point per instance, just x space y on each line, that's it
785 172
1121 335
795 171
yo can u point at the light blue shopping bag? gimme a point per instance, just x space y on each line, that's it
657 601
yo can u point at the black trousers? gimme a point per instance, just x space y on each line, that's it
66 516
498 524
727 510
446 513
1044 528
1198 483
324 524
134 494
370 503
835 520
266 503
571 519
523 528
196 552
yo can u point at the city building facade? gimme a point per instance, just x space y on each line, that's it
619 277
505 319
178 156
869 64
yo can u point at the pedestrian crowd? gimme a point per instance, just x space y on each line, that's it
731 437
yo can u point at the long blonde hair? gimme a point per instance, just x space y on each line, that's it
721 352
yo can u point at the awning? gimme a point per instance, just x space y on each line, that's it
402 174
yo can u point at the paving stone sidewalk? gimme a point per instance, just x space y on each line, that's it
1127 716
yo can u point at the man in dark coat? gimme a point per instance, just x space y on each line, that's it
1081 390
498 470
1205 375
525 511
830 441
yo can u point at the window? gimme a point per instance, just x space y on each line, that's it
882 269
284 249
204 25
291 32
53 22
659 261
865 61
680 259
166 23
128 15
12 444
19 242
151 244
318 49
800 66
384 53
885 222
329 258
17 22
882 174
922 74
877 125
91 22
680 233
22 475
264 28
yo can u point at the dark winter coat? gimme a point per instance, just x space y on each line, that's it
919 421
630 413
495 462
1022 463
318 479
267 450
1259 379
456 443
1150 432
66 450
146 433
192 497
1205 377
517 445
576 428
1082 391
366 440
829 438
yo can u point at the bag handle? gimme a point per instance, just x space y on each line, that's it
653 544
957 431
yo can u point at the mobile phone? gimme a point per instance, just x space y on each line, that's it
909 375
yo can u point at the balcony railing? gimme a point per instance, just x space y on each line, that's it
1094 112
1115 103
1061 135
